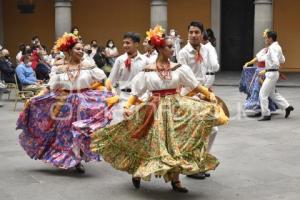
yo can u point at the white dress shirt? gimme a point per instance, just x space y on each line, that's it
120 76
212 61
187 57
274 57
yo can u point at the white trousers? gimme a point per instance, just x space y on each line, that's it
212 137
268 90
118 109
209 80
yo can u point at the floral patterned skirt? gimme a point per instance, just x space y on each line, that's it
175 141
47 130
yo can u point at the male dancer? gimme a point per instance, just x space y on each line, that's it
125 68
195 55
273 58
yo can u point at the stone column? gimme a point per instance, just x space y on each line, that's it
159 13
216 23
263 19
63 17
1 24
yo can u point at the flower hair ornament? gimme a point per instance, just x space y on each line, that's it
155 36
265 32
66 42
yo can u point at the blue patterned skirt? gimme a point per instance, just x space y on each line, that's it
250 85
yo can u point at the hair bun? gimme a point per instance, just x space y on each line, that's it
157 41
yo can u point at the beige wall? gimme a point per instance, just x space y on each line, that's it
286 23
182 12
19 28
98 19
103 20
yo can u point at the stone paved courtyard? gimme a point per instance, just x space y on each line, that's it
259 160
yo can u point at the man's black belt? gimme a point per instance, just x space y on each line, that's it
210 73
126 90
272 70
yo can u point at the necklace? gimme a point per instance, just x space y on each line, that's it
164 71
72 77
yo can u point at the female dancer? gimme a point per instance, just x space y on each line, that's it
251 82
73 94
167 135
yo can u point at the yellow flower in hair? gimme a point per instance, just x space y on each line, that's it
265 32
156 31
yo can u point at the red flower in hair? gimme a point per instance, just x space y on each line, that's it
65 42
157 41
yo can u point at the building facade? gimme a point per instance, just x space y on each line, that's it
238 25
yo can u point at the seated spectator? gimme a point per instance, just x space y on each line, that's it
100 58
36 43
20 53
27 48
6 67
87 52
111 52
43 67
26 75
3 89
55 56
75 31
94 47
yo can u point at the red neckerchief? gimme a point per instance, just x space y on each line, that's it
128 61
198 57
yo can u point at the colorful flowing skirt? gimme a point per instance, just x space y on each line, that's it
47 130
175 141
250 85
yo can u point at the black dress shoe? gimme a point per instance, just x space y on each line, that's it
178 188
265 118
136 182
288 111
79 168
200 175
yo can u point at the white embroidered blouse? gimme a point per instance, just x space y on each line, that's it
89 73
149 80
